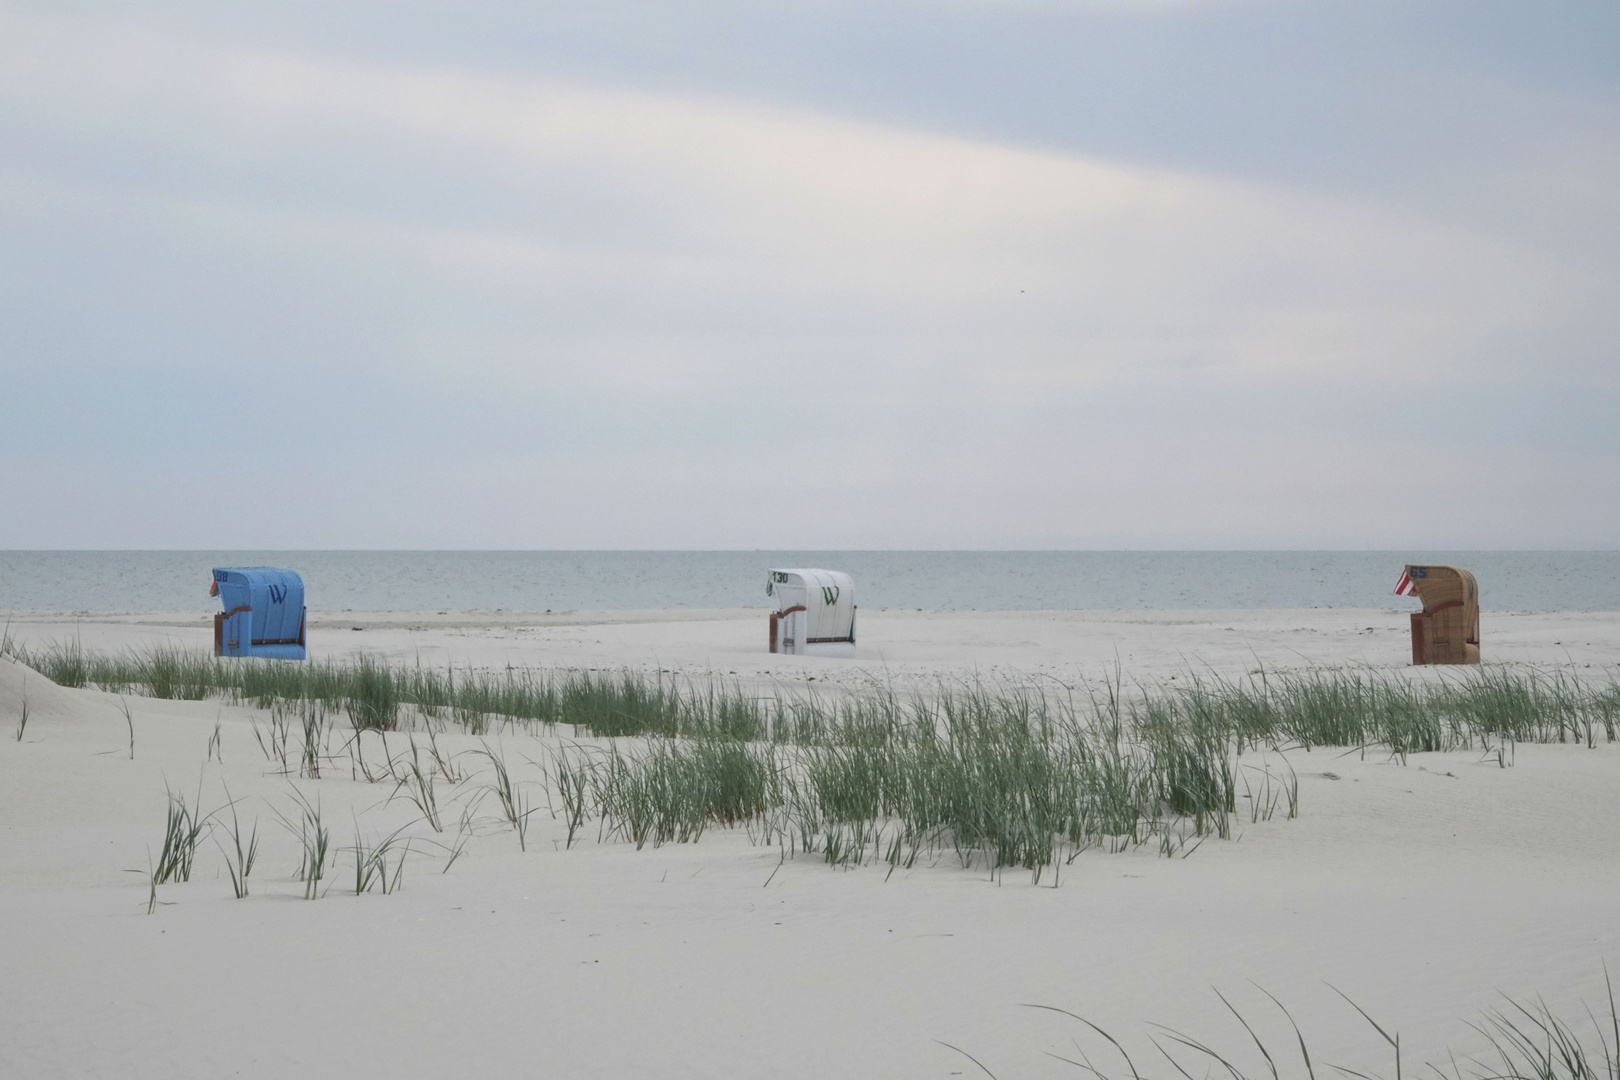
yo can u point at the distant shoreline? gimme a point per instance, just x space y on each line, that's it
1071 646
151 582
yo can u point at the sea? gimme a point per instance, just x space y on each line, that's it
146 581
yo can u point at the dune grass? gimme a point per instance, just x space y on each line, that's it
1519 1040
274 738
997 777
240 856
672 790
419 788
372 868
514 802
64 663
1472 708
1000 774
314 841
184 830
570 777
315 724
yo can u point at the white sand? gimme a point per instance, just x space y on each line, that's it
906 645
1419 890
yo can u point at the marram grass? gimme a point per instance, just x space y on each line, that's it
1518 1039
1004 774
1474 708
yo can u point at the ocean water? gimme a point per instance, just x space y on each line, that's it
136 581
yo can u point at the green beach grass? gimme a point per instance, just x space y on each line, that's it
1518 1039
1005 774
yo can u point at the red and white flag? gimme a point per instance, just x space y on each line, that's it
1404 586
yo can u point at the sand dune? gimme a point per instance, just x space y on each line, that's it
1419 889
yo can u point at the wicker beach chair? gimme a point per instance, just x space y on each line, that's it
813 607
1446 631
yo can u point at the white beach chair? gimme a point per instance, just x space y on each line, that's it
813 607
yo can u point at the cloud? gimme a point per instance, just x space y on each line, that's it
544 278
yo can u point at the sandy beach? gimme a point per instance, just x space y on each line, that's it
1072 645
1166 441
1420 890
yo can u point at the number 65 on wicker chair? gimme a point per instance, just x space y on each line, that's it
1446 631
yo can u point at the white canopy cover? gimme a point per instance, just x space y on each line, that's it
812 607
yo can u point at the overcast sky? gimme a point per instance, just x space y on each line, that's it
961 273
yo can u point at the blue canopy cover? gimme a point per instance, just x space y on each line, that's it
263 614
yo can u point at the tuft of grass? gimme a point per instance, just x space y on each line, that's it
1532 1043
1524 1040
514 804
418 787
65 663
464 833
172 673
358 767
22 722
573 783
313 720
372 696
129 720
445 766
239 858
371 861
1266 792
184 830
671 791
314 839
275 740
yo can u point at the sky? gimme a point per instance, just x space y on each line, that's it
959 274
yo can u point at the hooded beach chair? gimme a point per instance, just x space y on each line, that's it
813 607
264 613
1446 631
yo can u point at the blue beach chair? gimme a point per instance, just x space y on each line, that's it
264 613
